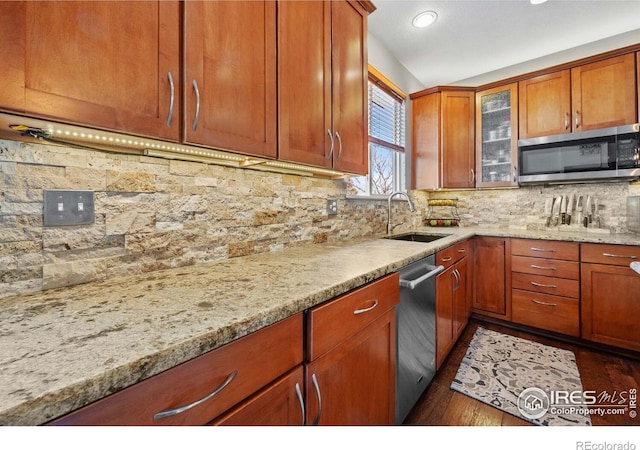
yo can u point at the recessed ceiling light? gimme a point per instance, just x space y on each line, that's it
424 19
537 2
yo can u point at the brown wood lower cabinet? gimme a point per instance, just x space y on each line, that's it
452 298
351 381
610 311
281 403
489 276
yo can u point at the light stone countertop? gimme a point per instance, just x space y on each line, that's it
64 348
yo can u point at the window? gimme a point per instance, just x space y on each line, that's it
386 144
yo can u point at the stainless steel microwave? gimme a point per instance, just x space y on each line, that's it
596 155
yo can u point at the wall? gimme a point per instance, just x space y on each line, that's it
153 214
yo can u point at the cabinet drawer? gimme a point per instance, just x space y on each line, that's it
536 248
257 359
546 285
548 312
546 267
453 254
617 255
332 322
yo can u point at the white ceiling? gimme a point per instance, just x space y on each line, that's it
476 42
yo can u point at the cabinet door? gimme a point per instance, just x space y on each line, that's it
489 270
497 136
354 384
304 80
610 310
110 65
278 404
425 141
458 137
230 75
445 283
545 105
604 94
349 96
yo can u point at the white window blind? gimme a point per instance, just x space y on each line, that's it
386 117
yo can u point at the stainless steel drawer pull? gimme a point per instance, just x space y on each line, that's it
544 285
196 116
361 311
301 400
181 409
314 380
543 303
536 249
339 146
461 250
172 98
611 255
447 259
533 266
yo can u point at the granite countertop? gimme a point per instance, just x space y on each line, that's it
64 348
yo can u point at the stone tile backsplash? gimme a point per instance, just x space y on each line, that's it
523 208
154 213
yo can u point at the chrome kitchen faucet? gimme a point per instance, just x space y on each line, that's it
411 208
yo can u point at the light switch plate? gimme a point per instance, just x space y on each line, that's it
332 207
63 208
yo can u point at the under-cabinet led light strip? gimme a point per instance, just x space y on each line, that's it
38 130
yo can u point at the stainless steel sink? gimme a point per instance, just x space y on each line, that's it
417 237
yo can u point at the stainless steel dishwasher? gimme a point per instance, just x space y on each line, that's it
416 333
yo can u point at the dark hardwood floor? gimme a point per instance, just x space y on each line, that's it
599 371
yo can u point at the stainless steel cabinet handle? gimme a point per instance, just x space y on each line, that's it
611 255
331 150
553 286
566 121
196 117
533 266
314 381
543 303
473 176
536 249
301 400
577 119
362 311
339 146
456 275
447 259
461 250
172 98
181 409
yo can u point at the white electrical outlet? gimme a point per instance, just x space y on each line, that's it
332 207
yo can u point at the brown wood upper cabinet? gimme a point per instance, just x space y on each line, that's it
322 105
230 76
95 64
596 95
497 136
443 122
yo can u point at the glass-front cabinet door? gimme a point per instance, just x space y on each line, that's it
497 136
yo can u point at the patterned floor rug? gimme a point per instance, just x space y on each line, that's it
521 377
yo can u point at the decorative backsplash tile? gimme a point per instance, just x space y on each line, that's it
153 214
